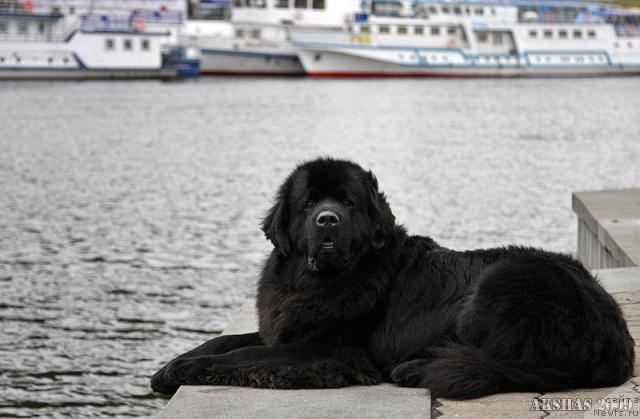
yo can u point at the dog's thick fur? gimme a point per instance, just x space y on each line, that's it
356 300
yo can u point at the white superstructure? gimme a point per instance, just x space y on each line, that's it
86 39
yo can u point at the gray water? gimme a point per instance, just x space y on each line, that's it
129 211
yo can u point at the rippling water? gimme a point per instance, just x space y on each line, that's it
129 210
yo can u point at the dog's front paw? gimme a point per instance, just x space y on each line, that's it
368 375
410 373
178 372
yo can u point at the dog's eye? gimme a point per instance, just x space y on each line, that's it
347 203
309 205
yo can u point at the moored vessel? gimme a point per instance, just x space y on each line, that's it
475 38
80 40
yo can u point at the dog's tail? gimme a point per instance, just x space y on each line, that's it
466 372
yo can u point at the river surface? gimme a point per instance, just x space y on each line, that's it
129 211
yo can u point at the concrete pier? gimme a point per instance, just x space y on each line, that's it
609 224
608 228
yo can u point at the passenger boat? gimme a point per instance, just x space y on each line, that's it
475 38
258 43
76 39
425 38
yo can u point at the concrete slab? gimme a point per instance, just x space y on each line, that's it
244 321
614 218
517 406
384 401
619 279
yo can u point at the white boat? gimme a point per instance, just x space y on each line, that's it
474 38
259 42
78 39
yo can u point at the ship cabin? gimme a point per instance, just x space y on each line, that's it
504 30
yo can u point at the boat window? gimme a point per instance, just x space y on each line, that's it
300 4
445 10
1 59
255 33
433 10
591 33
451 30
3 27
435 30
318 4
467 10
533 33
282 4
365 29
478 11
548 33
41 28
239 33
72 10
497 39
127 44
260 4
482 37
237 3
23 28
457 10
109 44
144 45
562 33
493 11
384 29
577 33
418 30
402 30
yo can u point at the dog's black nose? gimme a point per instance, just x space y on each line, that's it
327 218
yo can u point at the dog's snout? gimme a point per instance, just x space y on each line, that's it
327 218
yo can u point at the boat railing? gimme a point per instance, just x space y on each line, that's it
136 21
14 6
31 37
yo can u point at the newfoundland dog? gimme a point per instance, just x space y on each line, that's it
347 297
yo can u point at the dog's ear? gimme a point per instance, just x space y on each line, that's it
276 221
380 213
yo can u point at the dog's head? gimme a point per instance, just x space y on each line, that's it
331 212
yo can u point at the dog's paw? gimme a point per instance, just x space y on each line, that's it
410 373
368 376
178 372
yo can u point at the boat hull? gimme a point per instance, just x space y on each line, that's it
83 74
228 62
350 63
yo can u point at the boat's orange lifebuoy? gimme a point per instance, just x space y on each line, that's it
138 24
451 43
27 5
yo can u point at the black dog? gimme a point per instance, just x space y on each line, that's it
347 297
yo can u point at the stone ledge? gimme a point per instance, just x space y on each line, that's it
613 217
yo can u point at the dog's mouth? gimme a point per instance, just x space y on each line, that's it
327 244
